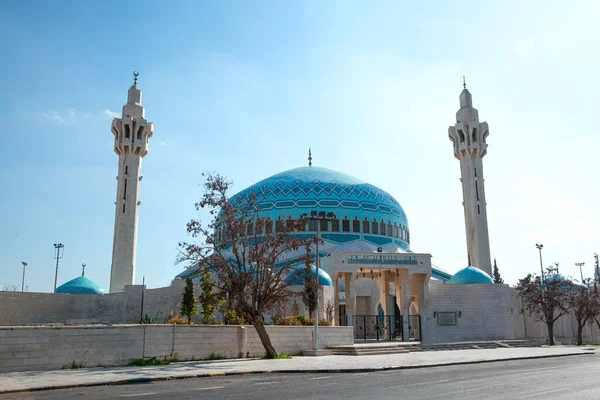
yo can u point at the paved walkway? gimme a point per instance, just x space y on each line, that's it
39 380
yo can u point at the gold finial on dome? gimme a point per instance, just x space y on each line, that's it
309 158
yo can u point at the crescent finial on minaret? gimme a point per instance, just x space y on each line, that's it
309 158
135 77
464 83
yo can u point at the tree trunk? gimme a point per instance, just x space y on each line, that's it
550 333
579 333
259 325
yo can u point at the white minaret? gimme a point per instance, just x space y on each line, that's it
468 137
132 133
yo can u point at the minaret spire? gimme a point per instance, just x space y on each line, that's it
309 158
468 137
464 83
132 133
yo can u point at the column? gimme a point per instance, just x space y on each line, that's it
348 279
336 299
406 309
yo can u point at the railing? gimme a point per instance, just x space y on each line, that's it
414 327
377 327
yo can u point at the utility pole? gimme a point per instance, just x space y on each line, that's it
23 281
580 264
57 255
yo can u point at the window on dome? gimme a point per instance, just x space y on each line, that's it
395 230
249 228
389 229
289 224
268 225
259 226
335 225
324 226
312 225
346 225
375 226
279 226
356 225
382 228
366 226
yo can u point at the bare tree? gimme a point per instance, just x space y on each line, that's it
9 287
311 285
244 252
585 303
548 299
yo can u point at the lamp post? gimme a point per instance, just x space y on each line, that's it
318 216
540 247
557 264
580 264
57 255
23 281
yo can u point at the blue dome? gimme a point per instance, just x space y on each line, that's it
363 211
296 278
573 283
470 275
81 285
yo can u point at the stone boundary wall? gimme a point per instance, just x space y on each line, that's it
492 312
46 348
30 308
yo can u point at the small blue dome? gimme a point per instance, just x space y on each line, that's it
80 285
470 275
573 283
296 278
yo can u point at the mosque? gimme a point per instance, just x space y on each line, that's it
369 276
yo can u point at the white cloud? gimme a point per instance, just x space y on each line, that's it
163 143
52 116
111 114
524 45
70 116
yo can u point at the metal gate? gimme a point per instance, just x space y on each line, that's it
414 327
377 327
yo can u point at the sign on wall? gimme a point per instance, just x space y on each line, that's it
446 318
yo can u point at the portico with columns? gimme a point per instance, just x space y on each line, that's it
400 278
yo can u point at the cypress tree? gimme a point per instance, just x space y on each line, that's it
497 277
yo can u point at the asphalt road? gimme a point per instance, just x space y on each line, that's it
551 378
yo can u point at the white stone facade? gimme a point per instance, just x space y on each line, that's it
468 136
132 133
39 348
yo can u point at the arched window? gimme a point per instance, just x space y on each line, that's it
355 225
366 226
346 225
382 228
324 225
335 225
375 227
389 229
279 225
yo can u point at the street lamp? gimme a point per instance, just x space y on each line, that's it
580 264
557 264
23 281
318 216
57 255
540 247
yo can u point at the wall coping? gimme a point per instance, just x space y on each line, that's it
133 326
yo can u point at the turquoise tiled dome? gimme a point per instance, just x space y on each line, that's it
292 193
366 216
81 285
296 278
470 275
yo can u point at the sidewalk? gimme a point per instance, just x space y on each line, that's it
41 380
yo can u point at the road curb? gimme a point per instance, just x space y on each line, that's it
131 381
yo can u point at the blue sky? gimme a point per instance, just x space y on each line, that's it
245 88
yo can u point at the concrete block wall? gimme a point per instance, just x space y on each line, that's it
485 313
44 348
